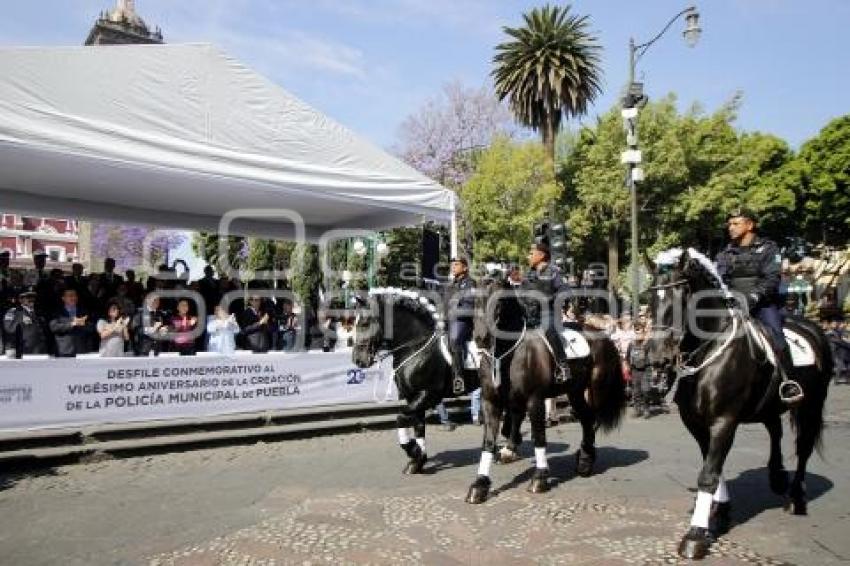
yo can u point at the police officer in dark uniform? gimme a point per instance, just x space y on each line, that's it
752 266
462 307
24 327
546 279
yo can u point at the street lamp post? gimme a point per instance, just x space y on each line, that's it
632 157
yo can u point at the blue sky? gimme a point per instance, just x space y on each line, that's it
370 63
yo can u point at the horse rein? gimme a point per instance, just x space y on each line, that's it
497 360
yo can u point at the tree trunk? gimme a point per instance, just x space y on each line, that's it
613 258
548 132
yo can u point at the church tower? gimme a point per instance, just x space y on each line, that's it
122 25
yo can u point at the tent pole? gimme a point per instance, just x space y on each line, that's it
454 225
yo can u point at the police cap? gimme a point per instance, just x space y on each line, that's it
742 212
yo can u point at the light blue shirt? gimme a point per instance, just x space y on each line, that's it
222 335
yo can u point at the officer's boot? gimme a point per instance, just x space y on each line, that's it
789 391
562 368
458 385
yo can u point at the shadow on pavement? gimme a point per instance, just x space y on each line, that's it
751 495
470 456
562 468
10 479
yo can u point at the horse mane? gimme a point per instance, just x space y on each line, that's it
699 260
708 268
418 305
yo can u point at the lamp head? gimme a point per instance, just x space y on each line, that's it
692 30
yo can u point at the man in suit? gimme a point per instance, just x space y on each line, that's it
254 322
149 327
72 328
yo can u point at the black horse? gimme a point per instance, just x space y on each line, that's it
516 375
727 379
408 325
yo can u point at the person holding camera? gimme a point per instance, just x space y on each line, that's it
113 331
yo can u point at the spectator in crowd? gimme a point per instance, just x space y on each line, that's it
287 327
255 326
113 331
345 333
25 328
77 281
6 297
135 290
149 327
623 336
183 325
640 372
222 329
109 280
72 327
208 287
443 413
122 299
329 333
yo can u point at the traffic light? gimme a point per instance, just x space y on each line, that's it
541 233
558 244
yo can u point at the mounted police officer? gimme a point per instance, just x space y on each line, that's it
462 303
752 266
546 280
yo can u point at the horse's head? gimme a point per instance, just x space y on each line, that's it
498 313
392 319
682 280
368 334
667 301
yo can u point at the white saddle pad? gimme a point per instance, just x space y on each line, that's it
802 353
576 344
471 361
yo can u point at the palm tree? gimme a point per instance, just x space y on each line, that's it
549 68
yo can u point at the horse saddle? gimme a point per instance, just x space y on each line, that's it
802 351
575 345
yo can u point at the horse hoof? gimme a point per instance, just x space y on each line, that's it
478 491
694 545
779 482
507 456
722 515
414 466
539 483
797 506
584 463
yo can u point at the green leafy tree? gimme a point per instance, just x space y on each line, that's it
548 69
825 195
511 189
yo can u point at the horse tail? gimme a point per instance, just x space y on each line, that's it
807 417
607 395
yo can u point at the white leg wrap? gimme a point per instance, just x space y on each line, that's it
722 493
702 510
485 463
540 458
421 443
403 436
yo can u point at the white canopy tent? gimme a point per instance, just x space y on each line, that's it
178 135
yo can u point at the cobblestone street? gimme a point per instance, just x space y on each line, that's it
343 500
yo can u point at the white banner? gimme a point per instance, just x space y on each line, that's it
85 391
